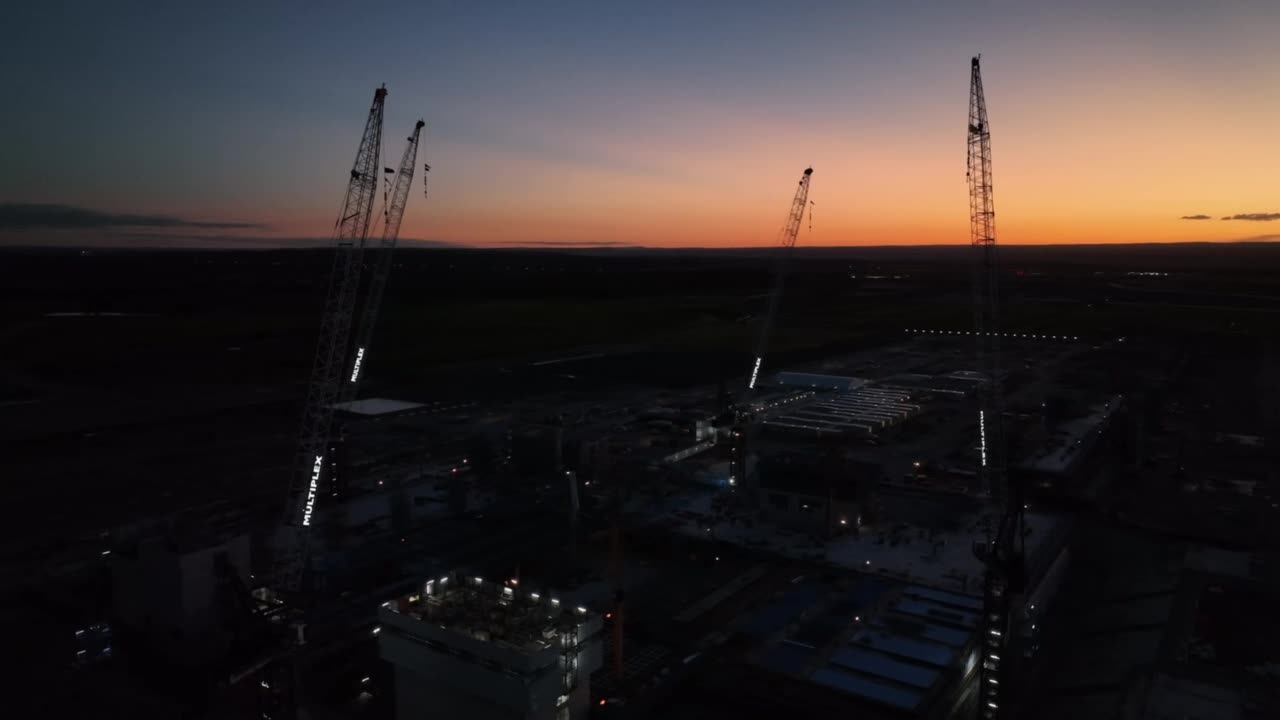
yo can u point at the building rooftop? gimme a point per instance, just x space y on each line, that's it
878 641
862 410
498 613
1072 440
800 472
376 406
940 557
959 384
816 380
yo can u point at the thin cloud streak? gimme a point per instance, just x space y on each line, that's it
1254 217
30 217
567 243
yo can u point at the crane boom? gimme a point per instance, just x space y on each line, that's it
1002 554
382 266
789 234
350 233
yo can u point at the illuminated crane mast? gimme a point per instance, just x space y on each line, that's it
382 266
1004 576
350 234
789 234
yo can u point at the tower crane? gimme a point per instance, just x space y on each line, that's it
382 265
1002 554
350 234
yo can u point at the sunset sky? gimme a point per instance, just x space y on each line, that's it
641 123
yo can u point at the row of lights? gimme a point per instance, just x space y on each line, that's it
1012 335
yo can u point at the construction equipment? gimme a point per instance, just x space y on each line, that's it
789 234
740 434
1002 554
381 266
292 555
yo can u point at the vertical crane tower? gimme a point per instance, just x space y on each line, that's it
1002 554
325 387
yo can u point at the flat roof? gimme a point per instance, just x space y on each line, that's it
817 380
862 686
874 663
499 613
376 406
847 636
865 408
942 559
1071 441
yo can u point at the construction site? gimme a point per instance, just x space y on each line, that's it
884 530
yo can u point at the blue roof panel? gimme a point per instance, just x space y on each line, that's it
787 657
865 687
934 612
874 663
946 598
776 615
946 635
937 633
925 652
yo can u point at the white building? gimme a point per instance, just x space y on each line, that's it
467 648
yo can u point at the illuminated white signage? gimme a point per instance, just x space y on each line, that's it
754 372
982 436
355 370
311 491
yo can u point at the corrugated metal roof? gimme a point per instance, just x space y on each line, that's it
935 612
946 598
925 652
865 687
787 657
874 663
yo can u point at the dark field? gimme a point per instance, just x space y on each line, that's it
189 394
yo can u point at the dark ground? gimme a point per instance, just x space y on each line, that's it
191 392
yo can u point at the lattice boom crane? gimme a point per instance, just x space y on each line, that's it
350 233
382 265
789 234
1003 555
